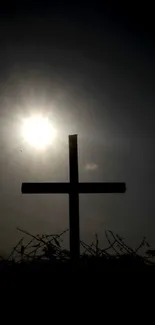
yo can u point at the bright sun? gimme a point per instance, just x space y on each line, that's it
38 131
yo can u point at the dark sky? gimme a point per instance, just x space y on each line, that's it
92 70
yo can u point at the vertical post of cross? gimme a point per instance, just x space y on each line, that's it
74 198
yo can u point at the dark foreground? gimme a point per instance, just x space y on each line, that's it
42 256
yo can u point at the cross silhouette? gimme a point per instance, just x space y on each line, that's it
73 188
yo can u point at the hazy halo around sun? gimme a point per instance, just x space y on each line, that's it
38 131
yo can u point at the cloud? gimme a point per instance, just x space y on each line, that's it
91 166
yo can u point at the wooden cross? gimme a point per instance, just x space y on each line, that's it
73 188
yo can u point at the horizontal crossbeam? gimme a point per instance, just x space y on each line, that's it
61 188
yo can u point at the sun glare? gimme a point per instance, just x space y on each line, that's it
38 131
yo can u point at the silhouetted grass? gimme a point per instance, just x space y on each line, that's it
43 253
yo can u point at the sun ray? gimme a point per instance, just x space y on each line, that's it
38 131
